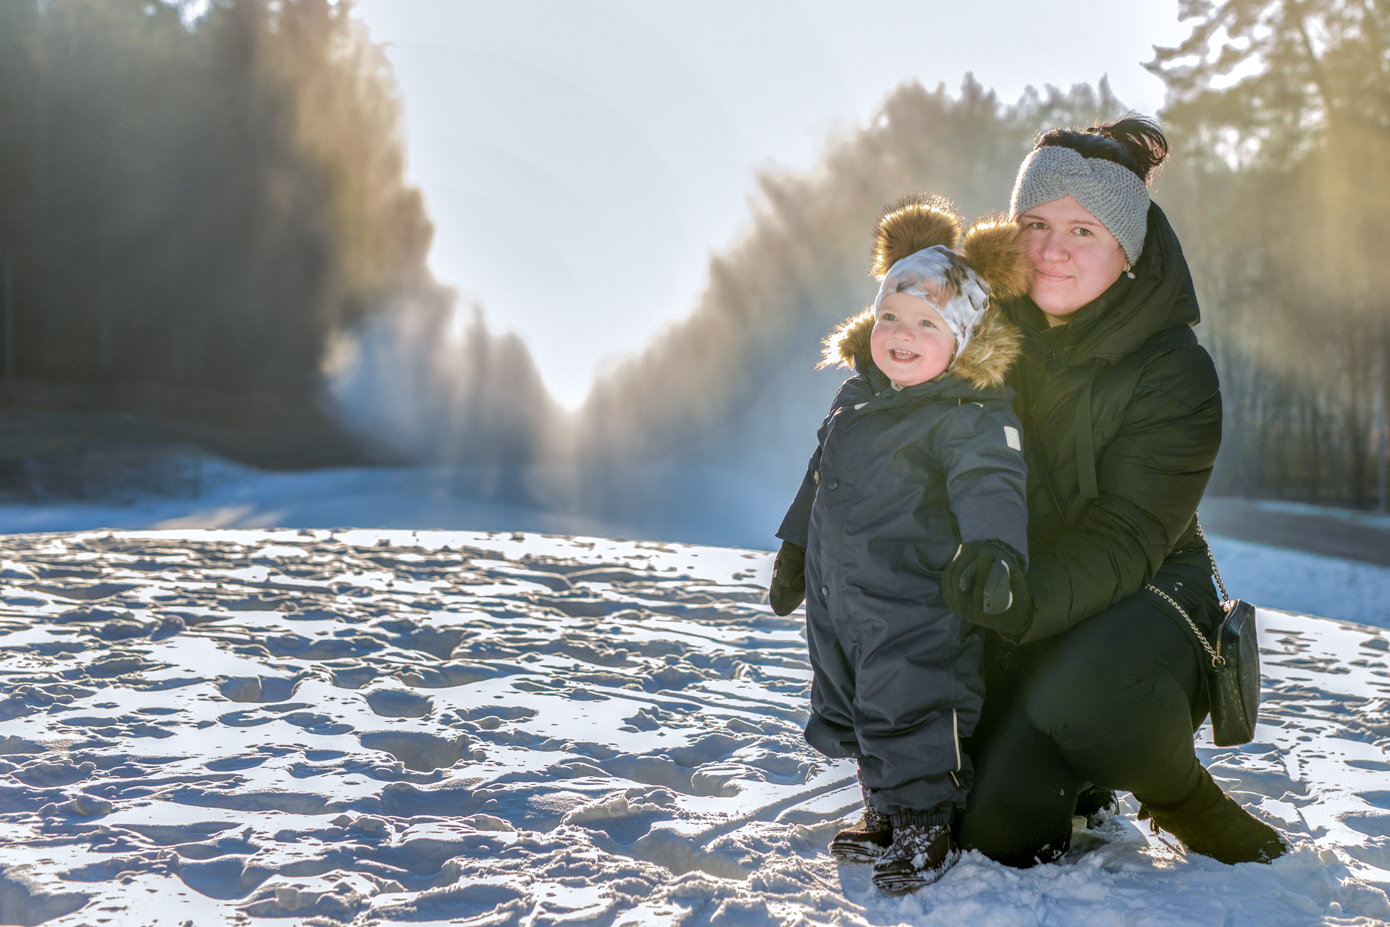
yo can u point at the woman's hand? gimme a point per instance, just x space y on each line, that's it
985 585
788 589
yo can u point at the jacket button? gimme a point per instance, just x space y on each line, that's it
834 484
825 590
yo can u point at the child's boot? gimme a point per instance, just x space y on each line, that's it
866 841
920 854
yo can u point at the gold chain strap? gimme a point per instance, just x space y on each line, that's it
1215 653
1212 557
1216 658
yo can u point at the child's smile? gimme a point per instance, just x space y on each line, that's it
910 342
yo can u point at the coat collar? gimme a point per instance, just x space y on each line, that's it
948 387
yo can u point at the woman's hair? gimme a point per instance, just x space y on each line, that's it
1132 141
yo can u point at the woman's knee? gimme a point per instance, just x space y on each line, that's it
1020 805
1013 836
1109 674
1076 689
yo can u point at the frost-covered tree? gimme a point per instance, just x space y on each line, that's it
190 209
1281 182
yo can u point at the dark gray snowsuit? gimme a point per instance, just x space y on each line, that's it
898 481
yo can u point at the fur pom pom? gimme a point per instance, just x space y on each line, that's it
994 249
850 338
910 225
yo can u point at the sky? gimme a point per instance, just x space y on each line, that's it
583 159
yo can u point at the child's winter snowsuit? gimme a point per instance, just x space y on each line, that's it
899 479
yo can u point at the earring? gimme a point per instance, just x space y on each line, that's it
1129 273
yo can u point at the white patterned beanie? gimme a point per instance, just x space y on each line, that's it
1111 192
933 271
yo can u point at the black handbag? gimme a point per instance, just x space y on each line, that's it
1234 676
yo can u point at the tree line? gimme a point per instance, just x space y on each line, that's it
1279 186
218 208
194 208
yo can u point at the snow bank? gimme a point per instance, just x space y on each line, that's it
378 727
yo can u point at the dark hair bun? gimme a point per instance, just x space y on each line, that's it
1133 141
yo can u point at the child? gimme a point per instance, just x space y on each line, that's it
919 461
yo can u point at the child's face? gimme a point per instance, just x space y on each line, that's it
910 343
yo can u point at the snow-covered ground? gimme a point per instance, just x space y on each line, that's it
209 726
745 515
231 496
1294 581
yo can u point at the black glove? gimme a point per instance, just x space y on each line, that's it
788 589
985 585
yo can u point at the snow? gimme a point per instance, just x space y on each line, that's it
428 727
1295 581
231 496
744 515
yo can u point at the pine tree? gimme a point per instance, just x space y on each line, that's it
1281 109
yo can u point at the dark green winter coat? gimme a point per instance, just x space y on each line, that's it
1121 415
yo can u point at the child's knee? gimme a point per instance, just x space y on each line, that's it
833 740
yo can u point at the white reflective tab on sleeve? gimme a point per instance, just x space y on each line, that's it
1011 436
860 406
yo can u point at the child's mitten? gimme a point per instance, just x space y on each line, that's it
788 589
985 585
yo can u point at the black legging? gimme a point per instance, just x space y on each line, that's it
1111 703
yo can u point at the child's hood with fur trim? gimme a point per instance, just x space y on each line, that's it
991 249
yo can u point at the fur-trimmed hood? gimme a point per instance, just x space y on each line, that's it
991 251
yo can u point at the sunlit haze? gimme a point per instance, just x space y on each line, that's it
582 160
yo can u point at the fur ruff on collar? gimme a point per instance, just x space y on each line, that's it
992 249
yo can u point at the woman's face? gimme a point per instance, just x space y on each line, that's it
1077 258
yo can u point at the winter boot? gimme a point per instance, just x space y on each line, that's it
1097 806
920 854
1210 822
866 841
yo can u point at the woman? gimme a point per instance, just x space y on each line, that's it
1122 419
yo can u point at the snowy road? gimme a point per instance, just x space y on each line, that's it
442 727
1342 533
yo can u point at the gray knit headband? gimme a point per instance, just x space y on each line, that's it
1112 193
